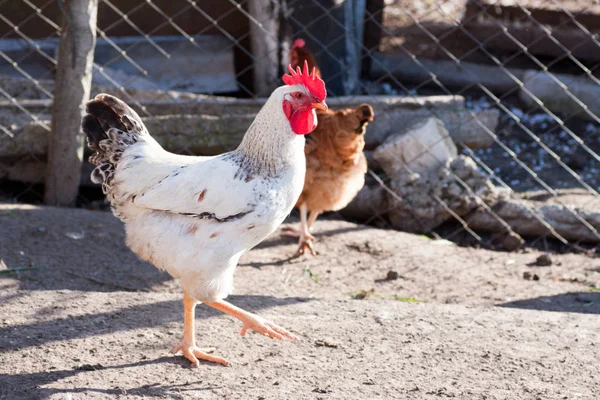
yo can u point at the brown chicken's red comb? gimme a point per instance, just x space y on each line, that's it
311 81
299 43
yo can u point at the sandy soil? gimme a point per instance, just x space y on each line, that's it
81 317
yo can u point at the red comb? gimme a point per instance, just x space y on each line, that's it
311 81
298 43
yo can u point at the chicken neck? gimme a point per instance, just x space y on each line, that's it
270 145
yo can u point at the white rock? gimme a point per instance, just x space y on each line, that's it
422 148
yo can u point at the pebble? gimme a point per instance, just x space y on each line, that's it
528 276
392 275
512 242
544 260
327 343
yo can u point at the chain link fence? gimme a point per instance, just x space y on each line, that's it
486 111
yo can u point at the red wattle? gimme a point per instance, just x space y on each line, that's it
303 121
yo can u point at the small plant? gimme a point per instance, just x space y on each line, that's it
405 299
362 294
312 275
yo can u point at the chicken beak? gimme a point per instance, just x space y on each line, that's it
320 106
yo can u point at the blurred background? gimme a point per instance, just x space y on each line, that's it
486 111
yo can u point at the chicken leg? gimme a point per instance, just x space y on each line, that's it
188 343
252 321
303 234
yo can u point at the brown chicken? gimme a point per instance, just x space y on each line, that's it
335 162
299 53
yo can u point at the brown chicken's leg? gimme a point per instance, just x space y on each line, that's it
303 234
188 343
252 321
312 218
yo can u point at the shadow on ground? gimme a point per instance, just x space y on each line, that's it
578 302
134 317
63 248
278 240
26 385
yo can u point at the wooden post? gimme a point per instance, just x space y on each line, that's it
72 90
263 39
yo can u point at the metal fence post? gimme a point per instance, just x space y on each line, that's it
263 38
72 90
337 40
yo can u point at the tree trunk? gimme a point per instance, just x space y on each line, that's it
73 82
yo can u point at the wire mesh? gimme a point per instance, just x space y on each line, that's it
513 83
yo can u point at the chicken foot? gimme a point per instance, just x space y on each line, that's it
188 344
303 234
252 321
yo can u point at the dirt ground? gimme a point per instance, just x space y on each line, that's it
81 317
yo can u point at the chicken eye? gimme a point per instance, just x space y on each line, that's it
299 95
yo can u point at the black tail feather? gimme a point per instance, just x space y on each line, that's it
106 116
110 127
93 131
106 112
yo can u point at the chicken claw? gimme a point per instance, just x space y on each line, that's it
291 231
252 321
264 327
194 353
305 239
188 344
303 246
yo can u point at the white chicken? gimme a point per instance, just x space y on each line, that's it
196 216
